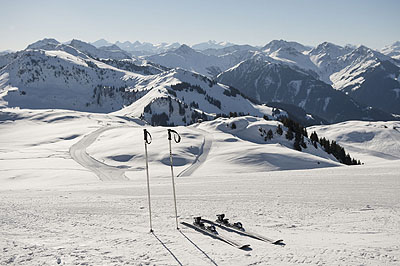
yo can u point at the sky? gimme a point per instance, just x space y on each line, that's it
374 23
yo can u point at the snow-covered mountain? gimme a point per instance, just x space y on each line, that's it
370 78
57 79
79 76
5 52
46 44
211 44
104 52
100 43
229 50
81 49
268 81
392 50
145 48
181 97
38 79
326 57
204 63
276 45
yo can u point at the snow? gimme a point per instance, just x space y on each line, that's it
392 50
211 44
327 100
56 210
295 84
73 183
370 142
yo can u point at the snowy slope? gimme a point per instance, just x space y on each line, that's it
211 44
216 143
206 64
291 53
371 142
57 79
56 211
117 147
392 50
325 57
73 184
145 48
105 52
354 64
371 78
368 76
181 97
100 43
276 45
80 48
270 81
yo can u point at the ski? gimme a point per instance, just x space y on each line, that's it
224 223
211 231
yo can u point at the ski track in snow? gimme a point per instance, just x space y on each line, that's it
103 171
202 155
107 172
326 216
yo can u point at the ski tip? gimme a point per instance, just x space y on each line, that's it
279 242
246 247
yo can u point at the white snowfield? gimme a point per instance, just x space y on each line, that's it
370 142
73 192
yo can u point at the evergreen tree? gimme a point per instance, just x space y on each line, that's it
289 134
270 134
279 130
296 145
314 137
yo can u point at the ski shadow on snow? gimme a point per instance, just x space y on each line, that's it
170 252
202 251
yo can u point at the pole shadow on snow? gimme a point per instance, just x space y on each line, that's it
170 252
202 251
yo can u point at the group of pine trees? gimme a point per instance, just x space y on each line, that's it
331 147
296 131
267 134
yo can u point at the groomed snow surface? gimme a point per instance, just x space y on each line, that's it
73 192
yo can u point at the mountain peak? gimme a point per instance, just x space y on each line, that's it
101 42
275 45
211 44
396 44
113 47
43 43
184 49
392 50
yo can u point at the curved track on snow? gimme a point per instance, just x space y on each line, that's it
103 171
106 172
201 156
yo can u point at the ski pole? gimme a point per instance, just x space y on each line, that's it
177 139
147 140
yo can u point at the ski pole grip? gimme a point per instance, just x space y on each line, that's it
147 136
177 137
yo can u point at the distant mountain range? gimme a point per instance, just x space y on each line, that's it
145 48
176 84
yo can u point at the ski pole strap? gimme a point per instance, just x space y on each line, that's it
177 137
147 136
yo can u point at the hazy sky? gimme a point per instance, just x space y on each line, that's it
374 23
